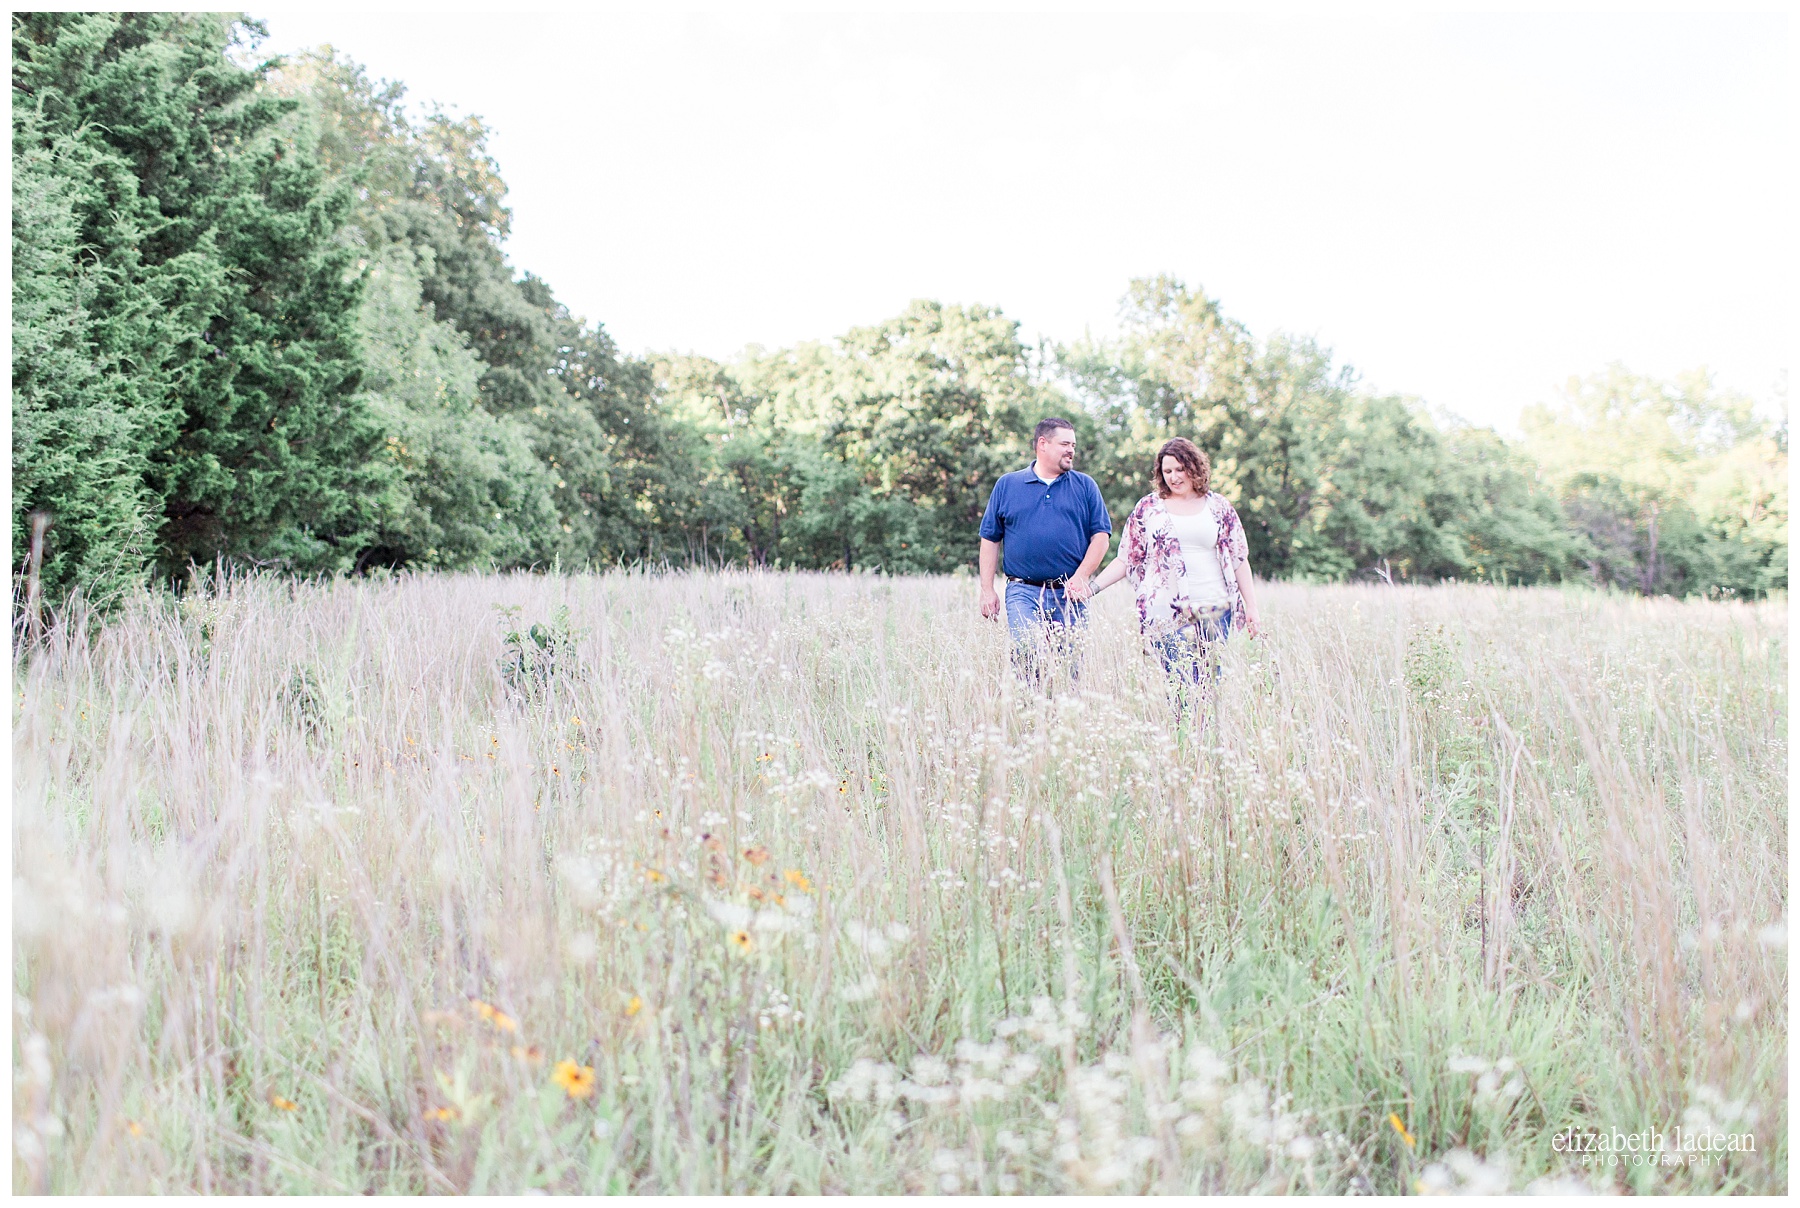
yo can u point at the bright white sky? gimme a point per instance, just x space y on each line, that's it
1468 209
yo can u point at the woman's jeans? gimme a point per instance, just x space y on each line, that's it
1189 650
1045 625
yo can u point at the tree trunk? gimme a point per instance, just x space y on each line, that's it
34 592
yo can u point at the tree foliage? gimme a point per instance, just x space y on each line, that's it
1670 486
215 325
1330 481
262 312
78 453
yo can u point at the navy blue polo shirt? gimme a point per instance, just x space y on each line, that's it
1046 526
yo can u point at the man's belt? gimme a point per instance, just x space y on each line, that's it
1054 584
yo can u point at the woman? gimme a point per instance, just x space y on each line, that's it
1185 556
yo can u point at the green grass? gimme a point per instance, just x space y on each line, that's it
315 887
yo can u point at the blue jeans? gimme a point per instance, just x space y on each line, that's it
1043 621
1186 651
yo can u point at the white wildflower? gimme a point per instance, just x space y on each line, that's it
930 1071
730 914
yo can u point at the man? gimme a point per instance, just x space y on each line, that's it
1054 525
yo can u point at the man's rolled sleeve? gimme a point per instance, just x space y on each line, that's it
1098 519
991 527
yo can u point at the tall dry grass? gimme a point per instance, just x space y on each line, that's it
783 883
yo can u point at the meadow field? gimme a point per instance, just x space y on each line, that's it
760 882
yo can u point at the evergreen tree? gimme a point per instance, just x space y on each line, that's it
221 299
77 454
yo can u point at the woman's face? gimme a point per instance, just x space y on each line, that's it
1175 477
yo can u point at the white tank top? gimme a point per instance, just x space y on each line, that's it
1204 580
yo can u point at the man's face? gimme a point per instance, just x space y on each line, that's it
1059 449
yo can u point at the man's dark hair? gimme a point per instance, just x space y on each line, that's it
1046 427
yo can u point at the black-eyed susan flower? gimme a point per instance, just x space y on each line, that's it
743 941
577 1081
757 855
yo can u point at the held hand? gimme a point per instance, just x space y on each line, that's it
1078 588
990 603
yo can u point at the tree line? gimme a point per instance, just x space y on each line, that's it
262 315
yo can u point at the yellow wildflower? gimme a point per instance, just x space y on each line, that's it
134 1128
742 940
576 1080
1394 1119
286 1105
634 1006
798 879
500 1019
441 1113
757 855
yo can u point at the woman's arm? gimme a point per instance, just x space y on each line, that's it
1129 551
1112 574
1247 585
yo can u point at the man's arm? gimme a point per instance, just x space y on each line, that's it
1079 587
990 562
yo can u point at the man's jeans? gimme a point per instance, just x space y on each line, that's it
1046 626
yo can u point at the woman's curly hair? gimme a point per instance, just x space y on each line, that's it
1192 458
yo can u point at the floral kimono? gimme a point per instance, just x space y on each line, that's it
1154 565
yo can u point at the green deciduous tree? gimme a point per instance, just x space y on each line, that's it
464 487
876 451
1329 480
1671 486
608 461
